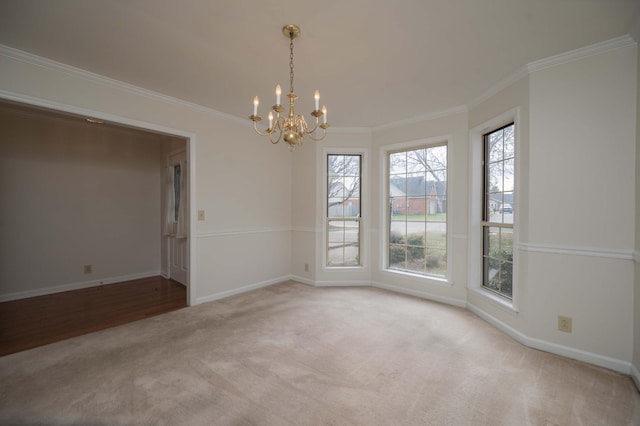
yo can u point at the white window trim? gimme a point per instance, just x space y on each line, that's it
364 202
446 281
476 144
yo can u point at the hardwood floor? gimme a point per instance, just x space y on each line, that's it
37 321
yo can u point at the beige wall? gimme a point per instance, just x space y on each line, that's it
75 194
577 178
636 322
242 181
576 135
454 129
581 203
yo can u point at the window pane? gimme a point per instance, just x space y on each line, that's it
416 161
509 142
497 254
437 235
398 208
343 201
335 165
496 146
436 262
508 169
495 177
398 232
437 158
397 256
398 163
417 210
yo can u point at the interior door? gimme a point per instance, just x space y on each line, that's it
179 213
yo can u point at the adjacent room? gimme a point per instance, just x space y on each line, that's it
356 212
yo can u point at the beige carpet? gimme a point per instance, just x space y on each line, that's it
291 354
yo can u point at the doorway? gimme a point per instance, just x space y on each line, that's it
183 247
176 214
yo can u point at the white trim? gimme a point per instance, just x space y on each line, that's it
565 351
636 256
302 280
474 264
421 294
577 251
235 232
580 53
443 140
417 277
342 283
496 300
191 155
364 204
106 81
461 109
85 112
243 289
76 286
498 87
522 72
306 229
552 61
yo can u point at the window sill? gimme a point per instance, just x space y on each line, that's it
494 299
443 282
343 268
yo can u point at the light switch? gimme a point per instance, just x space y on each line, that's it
200 214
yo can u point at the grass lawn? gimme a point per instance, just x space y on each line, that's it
439 217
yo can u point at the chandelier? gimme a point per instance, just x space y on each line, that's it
292 127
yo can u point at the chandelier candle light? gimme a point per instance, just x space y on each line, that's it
291 127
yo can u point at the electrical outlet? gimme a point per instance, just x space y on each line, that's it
565 324
306 267
200 214
88 269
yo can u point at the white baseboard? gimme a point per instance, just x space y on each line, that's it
421 294
75 286
239 290
341 283
302 280
554 348
565 351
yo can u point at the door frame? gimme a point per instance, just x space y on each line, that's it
190 138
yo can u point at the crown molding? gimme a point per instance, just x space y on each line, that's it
552 61
519 74
573 55
580 53
50 64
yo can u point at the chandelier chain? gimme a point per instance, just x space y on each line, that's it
291 63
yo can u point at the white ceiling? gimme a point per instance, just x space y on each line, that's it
374 61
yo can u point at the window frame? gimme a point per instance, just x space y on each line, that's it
325 208
385 153
476 206
486 223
